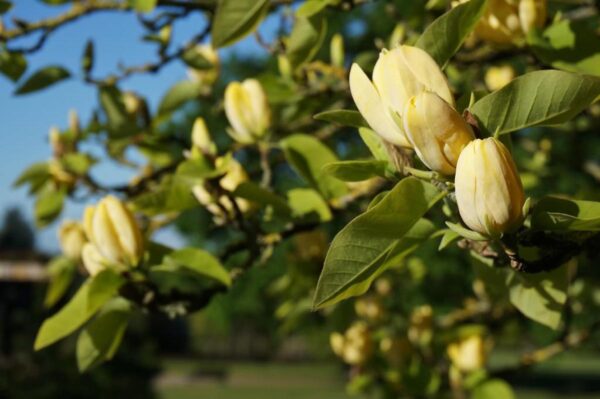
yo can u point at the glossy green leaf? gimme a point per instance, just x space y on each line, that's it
235 19
5 6
255 193
370 237
77 163
537 98
375 144
356 170
540 296
101 338
306 39
49 204
12 65
177 95
553 213
569 45
493 389
119 122
199 261
194 58
43 78
307 204
312 7
36 175
62 270
90 297
143 5
448 237
344 117
308 155
444 36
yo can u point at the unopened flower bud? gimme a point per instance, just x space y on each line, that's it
498 77
111 227
369 307
337 50
436 131
489 192
201 137
337 341
71 238
74 125
358 344
247 110
207 77
93 262
468 354
399 74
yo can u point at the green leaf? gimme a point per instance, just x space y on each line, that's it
49 204
194 58
448 237
308 155
36 175
541 296
5 6
12 65
493 389
143 5
375 145
199 261
466 233
94 293
235 19
177 95
62 270
344 117
312 7
307 204
537 98
255 193
306 39
370 237
569 45
120 124
552 213
356 170
77 163
444 36
87 59
99 340
43 78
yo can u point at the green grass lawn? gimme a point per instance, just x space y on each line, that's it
563 377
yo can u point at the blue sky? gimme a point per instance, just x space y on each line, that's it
25 120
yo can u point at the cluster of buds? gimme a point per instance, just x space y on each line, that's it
410 105
355 346
509 21
109 237
247 110
469 353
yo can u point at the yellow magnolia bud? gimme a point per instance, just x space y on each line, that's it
284 66
498 77
74 125
358 345
369 307
507 21
468 354
337 342
436 131
93 262
111 227
489 192
421 322
337 50
58 172
207 77
201 137
247 110
71 238
399 74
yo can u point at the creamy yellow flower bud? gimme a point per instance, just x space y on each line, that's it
369 307
421 322
201 137
207 77
71 238
59 173
74 125
358 345
111 227
337 50
247 110
436 131
489 192
399 74
337 342
468 354
508 21
499 76
93 262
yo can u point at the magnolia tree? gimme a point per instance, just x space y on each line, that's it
385 132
